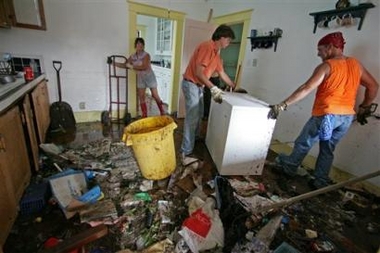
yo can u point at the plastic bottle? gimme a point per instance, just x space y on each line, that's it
34 66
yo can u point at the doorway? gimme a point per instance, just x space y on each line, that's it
233 55
158 43
230 55
136 9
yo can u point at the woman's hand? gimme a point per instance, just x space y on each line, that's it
129 65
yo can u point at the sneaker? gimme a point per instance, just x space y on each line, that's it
187 160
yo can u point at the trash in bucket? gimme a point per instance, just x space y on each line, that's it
153 145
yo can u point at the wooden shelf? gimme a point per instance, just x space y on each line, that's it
264 42
357 11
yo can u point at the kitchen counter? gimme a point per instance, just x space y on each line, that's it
11 92
159 65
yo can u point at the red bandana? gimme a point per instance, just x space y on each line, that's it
334 38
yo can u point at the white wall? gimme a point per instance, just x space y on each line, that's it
279 73
82 33
150 25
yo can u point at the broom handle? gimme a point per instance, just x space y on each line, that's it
57 66
316 192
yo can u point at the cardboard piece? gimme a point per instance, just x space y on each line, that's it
101 211
67 187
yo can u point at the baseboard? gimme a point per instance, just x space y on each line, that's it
336 174
93 116
83 117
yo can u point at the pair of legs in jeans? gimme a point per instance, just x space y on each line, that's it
305 141
194 111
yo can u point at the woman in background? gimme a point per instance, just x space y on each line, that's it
140 62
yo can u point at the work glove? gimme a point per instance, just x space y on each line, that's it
363 113
216 94
275 110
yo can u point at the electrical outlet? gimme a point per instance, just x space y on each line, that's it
254 62
82 105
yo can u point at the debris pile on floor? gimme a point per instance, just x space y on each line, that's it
100 183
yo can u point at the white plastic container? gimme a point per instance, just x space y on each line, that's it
239 134
34 66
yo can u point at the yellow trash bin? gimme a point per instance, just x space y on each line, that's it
153 145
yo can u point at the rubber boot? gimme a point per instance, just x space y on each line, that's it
161 107
144 110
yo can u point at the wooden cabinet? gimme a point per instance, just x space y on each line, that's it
31 133
5 21
14 167
24 121
164 36
41 106
25 14
8 210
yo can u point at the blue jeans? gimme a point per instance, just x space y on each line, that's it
194 112
305 141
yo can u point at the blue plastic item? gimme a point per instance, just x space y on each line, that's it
91 196
34 198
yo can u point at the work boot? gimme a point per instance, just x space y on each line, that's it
160 105
144 110
186 160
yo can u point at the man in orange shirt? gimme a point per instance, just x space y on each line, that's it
203 63
337 80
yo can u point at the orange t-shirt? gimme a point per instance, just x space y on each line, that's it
206 54
337 94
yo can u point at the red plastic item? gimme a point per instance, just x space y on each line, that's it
53 241
28 74
198 222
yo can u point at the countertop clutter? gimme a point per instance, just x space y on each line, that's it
10 92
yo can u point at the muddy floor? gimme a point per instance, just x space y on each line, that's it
142 213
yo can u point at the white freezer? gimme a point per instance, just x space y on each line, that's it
239 134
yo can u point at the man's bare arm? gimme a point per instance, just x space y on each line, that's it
319 74
372 87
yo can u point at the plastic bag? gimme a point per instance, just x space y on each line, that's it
203 230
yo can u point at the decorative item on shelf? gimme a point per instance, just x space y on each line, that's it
277 32
335 18
346 20
268 40
341 4
324 23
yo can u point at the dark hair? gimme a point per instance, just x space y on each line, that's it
223 31
139 40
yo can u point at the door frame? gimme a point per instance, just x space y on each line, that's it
235 18
179 17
